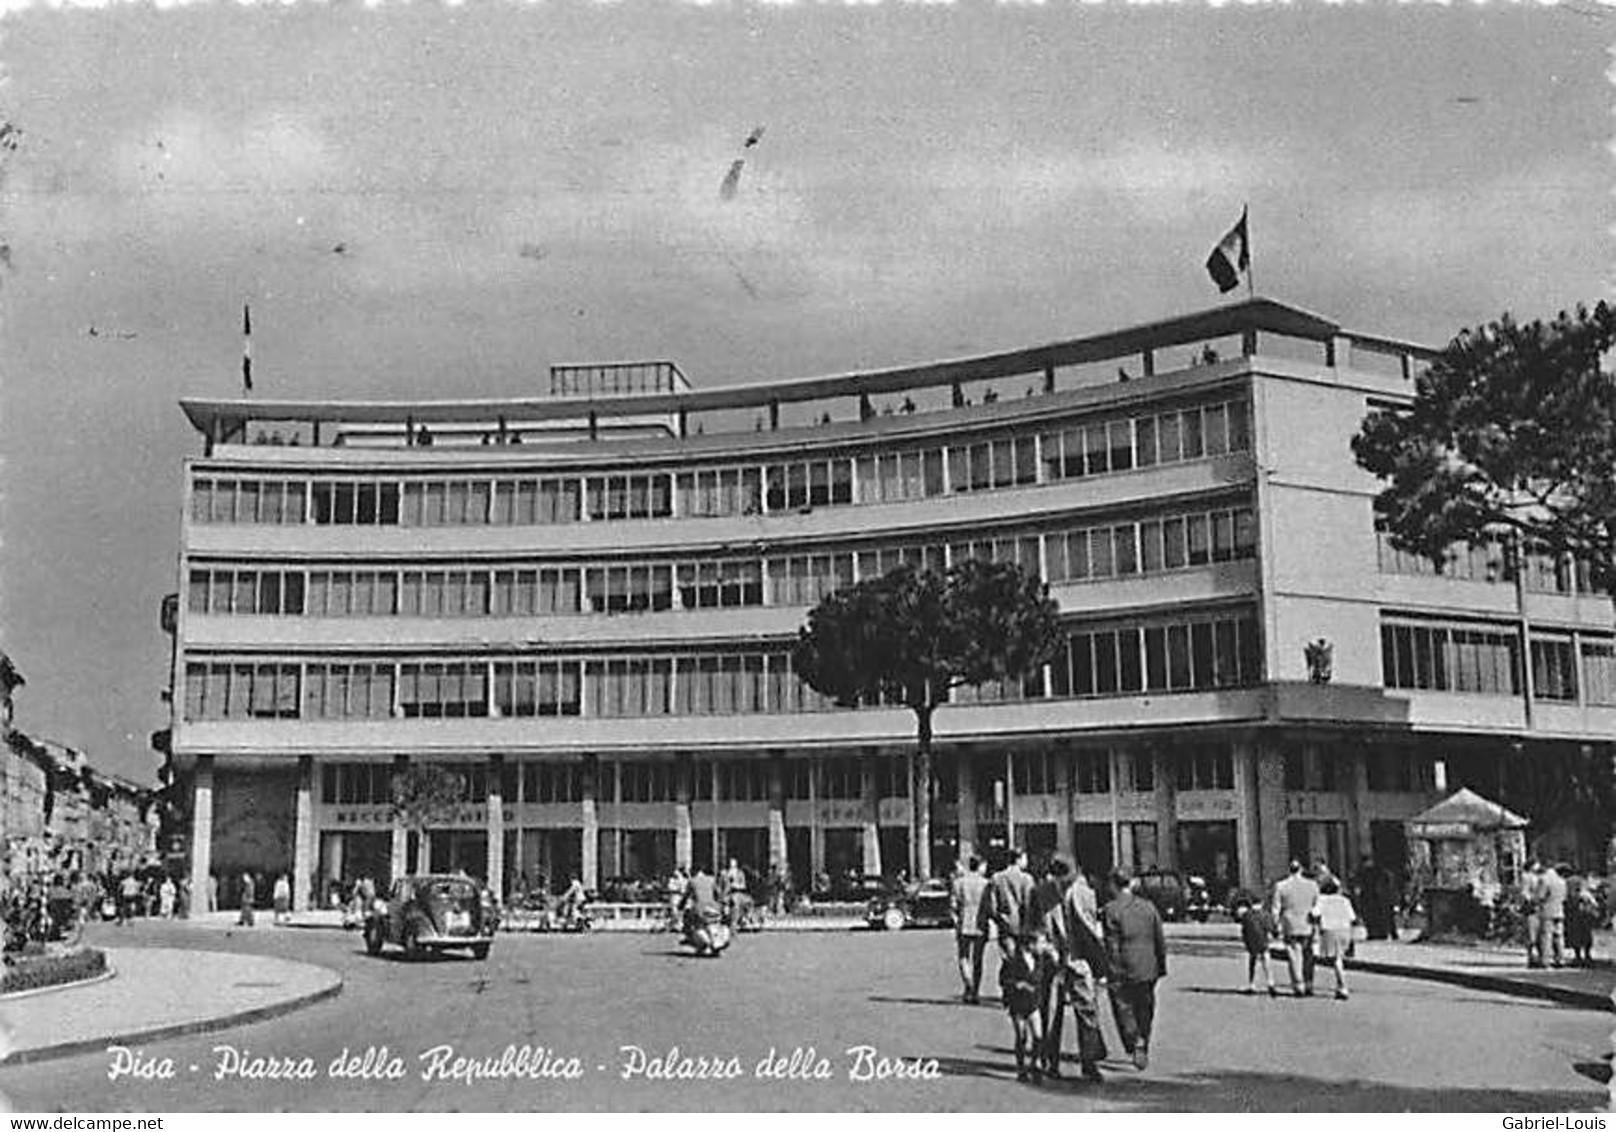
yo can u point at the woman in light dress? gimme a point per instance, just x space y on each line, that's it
1334 916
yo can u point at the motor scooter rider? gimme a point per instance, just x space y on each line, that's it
702 902
572 901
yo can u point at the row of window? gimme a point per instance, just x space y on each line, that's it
1148 546
1142 442
1210 652
1487 660
1089 449
724 684
1545 571
1455 658
1218 651
1152 546
1451 658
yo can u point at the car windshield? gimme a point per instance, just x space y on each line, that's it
452 889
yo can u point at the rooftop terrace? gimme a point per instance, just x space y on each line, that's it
640 398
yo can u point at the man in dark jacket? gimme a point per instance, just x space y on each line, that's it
1136 950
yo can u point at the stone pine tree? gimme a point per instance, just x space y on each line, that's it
910 637
424 795
1512 436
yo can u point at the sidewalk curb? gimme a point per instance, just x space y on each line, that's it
175 1030
1567 996
1498 984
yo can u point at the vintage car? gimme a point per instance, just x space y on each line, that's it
433 913
925 904
851 888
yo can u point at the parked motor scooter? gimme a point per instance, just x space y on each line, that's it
1198 900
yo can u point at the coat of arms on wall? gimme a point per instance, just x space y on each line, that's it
1319 656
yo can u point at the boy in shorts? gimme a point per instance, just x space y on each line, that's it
1256 929
1022 980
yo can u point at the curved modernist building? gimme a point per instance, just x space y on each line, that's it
584 602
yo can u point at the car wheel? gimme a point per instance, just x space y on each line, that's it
373 938
894 919
412 943
479 951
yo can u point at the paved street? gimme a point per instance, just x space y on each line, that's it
1399 1044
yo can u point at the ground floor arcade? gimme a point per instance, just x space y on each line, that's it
1234 807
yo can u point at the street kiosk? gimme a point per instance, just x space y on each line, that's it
1464 853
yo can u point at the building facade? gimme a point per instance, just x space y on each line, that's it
584 604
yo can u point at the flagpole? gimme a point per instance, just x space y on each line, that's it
1251 260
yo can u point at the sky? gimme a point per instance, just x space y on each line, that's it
440 200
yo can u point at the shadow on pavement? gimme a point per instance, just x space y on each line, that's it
1208 949
952 1001
1275 1092
425 957
1237 992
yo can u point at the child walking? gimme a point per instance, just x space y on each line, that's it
1021 984
1334 915
1256 929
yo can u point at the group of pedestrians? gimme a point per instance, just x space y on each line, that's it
1312 917
1057 948
1561 912
280 900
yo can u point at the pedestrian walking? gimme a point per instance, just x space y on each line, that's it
1049 890
1023 974
249 900
128 897
1531 912
1010 893
1136 950
1256 931
1376 900
1551 916
1294 898
281 895
1083 964
965 901
1334 915
1582 910
166 895
213 892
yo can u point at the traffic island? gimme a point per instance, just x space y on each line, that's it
160 993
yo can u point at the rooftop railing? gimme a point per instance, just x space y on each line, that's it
598 401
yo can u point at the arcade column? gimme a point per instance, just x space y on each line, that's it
401 837
870 815
589 849
496 826
201 831
967 803
303 835
777 813
684 838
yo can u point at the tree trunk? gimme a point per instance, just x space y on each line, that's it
920 795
